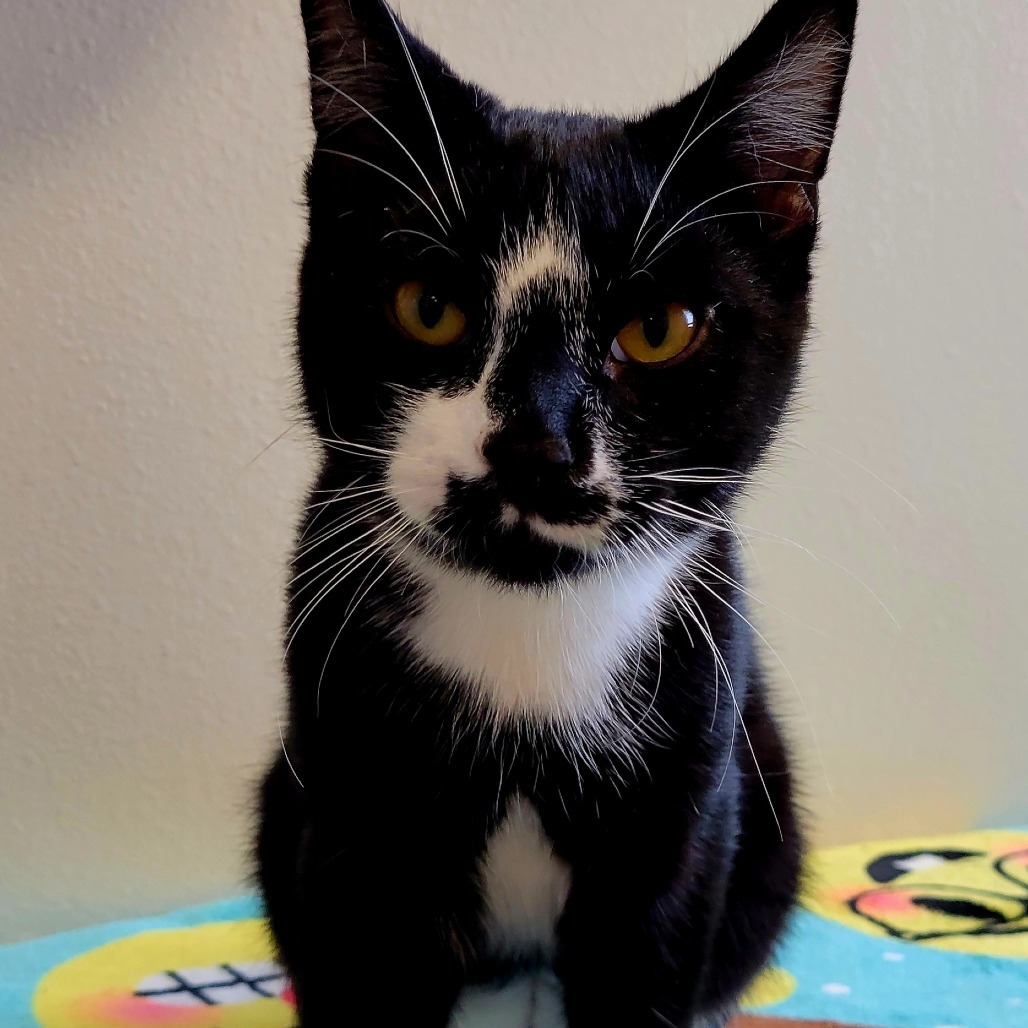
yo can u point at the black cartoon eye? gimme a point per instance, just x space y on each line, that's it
894 865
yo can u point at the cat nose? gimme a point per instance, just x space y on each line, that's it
529 462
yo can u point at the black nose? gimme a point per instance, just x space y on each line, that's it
531 464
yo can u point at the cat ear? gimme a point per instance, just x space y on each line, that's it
773 105
784 88
365 63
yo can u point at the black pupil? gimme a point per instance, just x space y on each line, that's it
430 309
655 328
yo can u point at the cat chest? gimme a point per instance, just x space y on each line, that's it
543 655
524 885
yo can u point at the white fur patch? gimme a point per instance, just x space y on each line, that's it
441 436
574 537
524 884
550 255
551 655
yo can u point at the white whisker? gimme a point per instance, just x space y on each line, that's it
451 178
385 128
680 225
424 235
285 753
358 598
774 653
399 181
679 153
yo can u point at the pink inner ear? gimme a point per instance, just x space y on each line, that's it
785 207
120 1009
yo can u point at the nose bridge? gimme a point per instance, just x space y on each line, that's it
536 381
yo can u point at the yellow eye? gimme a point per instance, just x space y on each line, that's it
427 316
658 336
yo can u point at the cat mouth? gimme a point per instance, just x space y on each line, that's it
478 529
586 535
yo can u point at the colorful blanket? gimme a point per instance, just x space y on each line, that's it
920 933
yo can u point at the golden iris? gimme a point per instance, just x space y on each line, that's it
659 336
427 315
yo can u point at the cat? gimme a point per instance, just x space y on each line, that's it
543 353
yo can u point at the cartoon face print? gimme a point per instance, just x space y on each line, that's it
217 975
971 898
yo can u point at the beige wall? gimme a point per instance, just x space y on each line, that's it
150 164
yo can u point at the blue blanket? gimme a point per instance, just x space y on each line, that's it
917 933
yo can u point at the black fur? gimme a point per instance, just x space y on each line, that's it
683 869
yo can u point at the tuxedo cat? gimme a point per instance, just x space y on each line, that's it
543 352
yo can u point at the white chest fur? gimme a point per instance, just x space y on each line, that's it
550 655
524 885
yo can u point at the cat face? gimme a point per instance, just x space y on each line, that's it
545 341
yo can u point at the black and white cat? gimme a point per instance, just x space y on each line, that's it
543 353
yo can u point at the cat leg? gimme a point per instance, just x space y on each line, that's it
765 872
633 941
368 927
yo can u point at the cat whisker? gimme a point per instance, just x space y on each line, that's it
344 496
354 450
719 659
264 450
680 223
377 453
862 467
731 752
683 150
729 522
349 565
345 493
681 516
285 753
451 178
675 477
679 153
424 235
359 597
348 519
822 560
652 256
774 653
399 181
364 515
385 128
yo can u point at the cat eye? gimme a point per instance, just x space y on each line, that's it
658 337
427 315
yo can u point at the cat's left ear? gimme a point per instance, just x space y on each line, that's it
773 105
367 66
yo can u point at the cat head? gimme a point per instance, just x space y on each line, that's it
543 340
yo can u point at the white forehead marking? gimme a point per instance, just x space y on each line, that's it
551 254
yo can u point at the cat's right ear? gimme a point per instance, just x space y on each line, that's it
770 111
364 63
